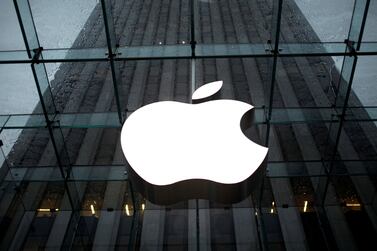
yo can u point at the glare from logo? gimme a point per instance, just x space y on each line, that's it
169 142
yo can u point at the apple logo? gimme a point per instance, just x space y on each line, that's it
180 151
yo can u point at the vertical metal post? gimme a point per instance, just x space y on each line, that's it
46 99
134 223
193 46
193 88
274 43
274 49
344 88
112 47
47 105
27 26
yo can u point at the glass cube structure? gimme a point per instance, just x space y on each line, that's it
71 72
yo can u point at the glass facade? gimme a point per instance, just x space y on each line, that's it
71 72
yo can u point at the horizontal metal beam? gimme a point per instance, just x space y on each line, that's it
293 115
183 51
275 169
110 119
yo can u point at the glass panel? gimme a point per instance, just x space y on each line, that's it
311 49
229 50
318 189
370 24
229 22
104 144
295 168
275 21
306 142
26 121
144 82
9 25
368 47
184 51
365 113
12 212
303 115
89 120
364 75
243 79
358 19
87 54
60 147
306 82
66 24
31 147
13 139
8 137
152 23
345 81
116 79
110 119
314 21
26 18
364 84
108 11
47 104
17 84
13 56
78 173
147 52
3 120
82 87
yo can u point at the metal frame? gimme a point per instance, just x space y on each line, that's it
345 85
196 51
49 118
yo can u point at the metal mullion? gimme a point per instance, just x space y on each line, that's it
341 101
110 119
285 50
50 127
116 91
193 45
71 191
193 88
4 123
275 52
43 93
23 32
32 45
275 168
111 52
192 27
359 35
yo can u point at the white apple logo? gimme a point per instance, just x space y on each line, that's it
169 142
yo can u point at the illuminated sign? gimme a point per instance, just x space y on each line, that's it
168 142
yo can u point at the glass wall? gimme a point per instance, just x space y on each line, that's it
72 72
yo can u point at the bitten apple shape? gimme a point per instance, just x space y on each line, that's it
168 142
